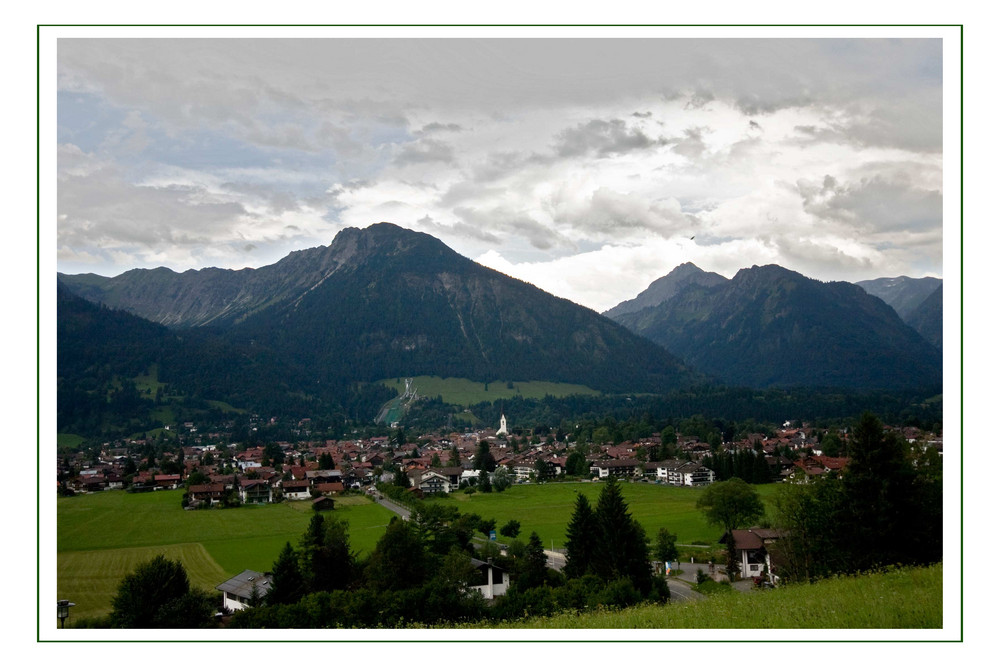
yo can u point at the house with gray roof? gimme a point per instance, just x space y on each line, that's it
238 592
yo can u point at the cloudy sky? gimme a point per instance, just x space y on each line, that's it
589 167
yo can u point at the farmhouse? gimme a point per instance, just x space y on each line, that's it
207 493
255 491
295 489
752 551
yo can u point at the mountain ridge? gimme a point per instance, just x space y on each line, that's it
386 302
769 326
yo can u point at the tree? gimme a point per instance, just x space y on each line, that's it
730 505
401 479
665 548
501 479
832 445
399 559
581 536
511 529
534 565
484 458
621 549
487 526
196 477
157 594
811 517
887 517
484 485
327 563
576 464
326 461
287 582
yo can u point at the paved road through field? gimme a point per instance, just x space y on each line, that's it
389 505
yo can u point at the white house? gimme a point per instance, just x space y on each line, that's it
429 481
683 473
752 554
493 581
239 591
293 489
255 491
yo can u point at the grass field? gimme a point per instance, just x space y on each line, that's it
103 536
546 508
459 391
905 598
68 440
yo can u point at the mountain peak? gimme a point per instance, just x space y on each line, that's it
665 288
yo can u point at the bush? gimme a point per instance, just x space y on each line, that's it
620 593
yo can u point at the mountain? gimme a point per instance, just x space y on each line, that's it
771 327
903 293
387 302
665 288
928 318
218 297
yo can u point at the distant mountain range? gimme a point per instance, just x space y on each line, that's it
771 327
918 301
310 333
903 293
386 302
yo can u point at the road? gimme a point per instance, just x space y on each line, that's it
680 591
391 506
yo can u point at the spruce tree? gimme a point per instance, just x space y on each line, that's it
621 549
287 584
535 564
581 535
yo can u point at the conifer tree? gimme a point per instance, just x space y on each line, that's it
287 583
580 538
621 549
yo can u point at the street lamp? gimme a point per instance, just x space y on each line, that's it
62 611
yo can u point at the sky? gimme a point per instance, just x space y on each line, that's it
588 167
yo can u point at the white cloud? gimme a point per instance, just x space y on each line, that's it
821 155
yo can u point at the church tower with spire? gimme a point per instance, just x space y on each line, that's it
503 425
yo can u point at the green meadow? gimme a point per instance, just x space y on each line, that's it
903 598
102 537
459 391
547 508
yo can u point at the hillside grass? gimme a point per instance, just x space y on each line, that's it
68 441
101 537
547 508
901 598
463 392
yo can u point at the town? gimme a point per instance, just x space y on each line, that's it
216 470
